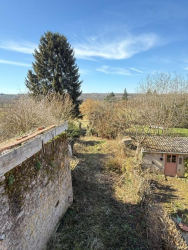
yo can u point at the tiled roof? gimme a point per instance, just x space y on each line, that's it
165 144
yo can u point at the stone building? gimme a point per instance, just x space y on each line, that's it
165 155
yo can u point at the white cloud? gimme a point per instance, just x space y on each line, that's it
22 47
15 63
115 71
186 68
137 70
115 48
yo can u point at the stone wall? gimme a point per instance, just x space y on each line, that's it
33 197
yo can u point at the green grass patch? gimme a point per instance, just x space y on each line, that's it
179 132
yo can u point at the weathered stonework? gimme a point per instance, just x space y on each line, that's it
33 197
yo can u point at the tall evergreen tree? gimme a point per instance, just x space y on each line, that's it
54 69
125 95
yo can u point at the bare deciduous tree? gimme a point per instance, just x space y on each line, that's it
164 99
161 104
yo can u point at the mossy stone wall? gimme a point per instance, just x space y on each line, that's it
33 197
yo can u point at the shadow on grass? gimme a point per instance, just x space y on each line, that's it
96 219
183 214
89 143
164 193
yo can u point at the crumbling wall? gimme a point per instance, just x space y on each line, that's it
33 197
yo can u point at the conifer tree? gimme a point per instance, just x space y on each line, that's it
125 95
110 97
54 69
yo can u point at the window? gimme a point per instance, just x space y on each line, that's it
168 158
171 158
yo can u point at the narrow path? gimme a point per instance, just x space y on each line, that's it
97 220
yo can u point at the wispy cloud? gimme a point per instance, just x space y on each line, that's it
186 68
121 48
84 72
115 71
15 63
22 46
137 70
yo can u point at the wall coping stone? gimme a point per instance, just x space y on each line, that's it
19 154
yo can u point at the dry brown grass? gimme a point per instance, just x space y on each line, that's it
162 230
26 114
133 186
98 219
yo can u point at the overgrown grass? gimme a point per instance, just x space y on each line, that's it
162 230
172 193
98 218
112 206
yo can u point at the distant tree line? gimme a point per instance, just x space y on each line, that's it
111 97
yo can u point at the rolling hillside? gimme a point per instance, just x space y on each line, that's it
84 96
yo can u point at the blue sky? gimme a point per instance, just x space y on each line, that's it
116 43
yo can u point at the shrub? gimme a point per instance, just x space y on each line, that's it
25 114
101 116
73 131
186 167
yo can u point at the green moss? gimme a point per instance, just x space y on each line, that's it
18 180
38 165
11 179
60 137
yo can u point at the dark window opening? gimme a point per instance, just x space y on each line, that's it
171 158
174 158
168 158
